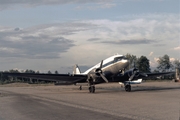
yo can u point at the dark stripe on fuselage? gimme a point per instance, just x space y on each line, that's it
109 63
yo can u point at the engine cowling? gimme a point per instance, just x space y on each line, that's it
133 71
98 71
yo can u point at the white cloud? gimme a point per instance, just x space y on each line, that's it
139 29
83 42
8 50
107 5
151 53
172 59
156 59
4 4
177 48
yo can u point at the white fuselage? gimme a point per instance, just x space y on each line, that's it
113 65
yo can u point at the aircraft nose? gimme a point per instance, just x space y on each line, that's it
126 62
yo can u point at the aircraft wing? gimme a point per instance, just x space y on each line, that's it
61 79
159 74
134 74
146 75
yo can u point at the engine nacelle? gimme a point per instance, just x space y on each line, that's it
130 72
98 71
139 81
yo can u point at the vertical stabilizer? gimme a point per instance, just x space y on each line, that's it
76 70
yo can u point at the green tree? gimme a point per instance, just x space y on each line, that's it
3 77
13 71
29 71
132 60
176 63
164 63
56 72
143 64
49 72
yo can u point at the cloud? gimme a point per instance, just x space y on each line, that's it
39 42
4 4
147 30
172 59
93 39
159 45
16 29
151 53
156 59
107 5
71 41
98 5
130 42
177 48
51 40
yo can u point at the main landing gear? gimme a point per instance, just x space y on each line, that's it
91 86
128 88
80 87
92 89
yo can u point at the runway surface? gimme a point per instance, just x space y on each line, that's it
147 101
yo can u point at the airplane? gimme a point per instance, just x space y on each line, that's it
112 69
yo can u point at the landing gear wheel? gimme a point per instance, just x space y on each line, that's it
128 88
92 89
80 87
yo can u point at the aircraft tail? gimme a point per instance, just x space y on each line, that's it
76 70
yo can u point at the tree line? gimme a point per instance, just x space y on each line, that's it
5 79
163 65
142 63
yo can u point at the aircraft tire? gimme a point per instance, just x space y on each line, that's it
80 88
92 89
128 88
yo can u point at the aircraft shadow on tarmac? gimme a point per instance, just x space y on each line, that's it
155 89
137 89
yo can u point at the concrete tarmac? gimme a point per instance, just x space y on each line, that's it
147 101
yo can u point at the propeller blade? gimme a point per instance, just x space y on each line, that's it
101 64
104 78
132 76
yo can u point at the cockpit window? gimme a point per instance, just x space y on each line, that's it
119 59
114 61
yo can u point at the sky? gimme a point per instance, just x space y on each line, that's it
45 35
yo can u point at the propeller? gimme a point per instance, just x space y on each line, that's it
134 71
132 76
99 71
101 64
104 78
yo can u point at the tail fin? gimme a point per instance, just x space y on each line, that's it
76 70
